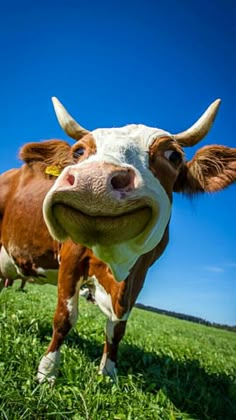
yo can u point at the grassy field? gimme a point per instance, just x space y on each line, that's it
169 369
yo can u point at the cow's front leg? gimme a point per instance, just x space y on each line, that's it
64 319
114 333
70 276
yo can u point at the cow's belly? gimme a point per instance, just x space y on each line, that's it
10 270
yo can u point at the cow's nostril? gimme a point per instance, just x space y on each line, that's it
121 181
70 179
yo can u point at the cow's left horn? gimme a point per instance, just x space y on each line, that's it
199 130
67 123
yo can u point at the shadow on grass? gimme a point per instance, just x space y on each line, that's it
192 390
187 384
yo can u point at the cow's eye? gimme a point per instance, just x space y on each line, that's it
78 152
173 156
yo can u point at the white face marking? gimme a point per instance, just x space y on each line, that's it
48 367
103 299
129 146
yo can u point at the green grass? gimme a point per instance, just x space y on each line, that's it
169 369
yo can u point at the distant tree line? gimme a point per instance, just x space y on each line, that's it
190 318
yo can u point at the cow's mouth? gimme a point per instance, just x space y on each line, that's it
91 230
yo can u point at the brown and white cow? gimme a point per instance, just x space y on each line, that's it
116 201
110 207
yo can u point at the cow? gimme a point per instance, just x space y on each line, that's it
106 202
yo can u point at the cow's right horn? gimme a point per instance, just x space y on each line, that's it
194 134
67 123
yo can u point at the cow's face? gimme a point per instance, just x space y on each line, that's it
116 197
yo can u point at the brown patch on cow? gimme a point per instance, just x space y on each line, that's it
135 281
162 168
87 144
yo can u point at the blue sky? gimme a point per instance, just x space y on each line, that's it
160 63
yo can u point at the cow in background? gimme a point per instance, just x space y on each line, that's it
108 213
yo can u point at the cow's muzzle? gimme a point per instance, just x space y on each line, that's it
97 203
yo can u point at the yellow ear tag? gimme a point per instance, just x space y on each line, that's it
53 170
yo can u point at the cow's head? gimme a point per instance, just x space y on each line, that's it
116 197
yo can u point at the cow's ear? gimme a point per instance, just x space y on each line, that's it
212 169
47 151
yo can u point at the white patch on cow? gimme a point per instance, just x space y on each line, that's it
72 306
103 299
10 270
107 367
7 265
48 367
84 293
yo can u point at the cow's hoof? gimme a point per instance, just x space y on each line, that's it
48 368
108 368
